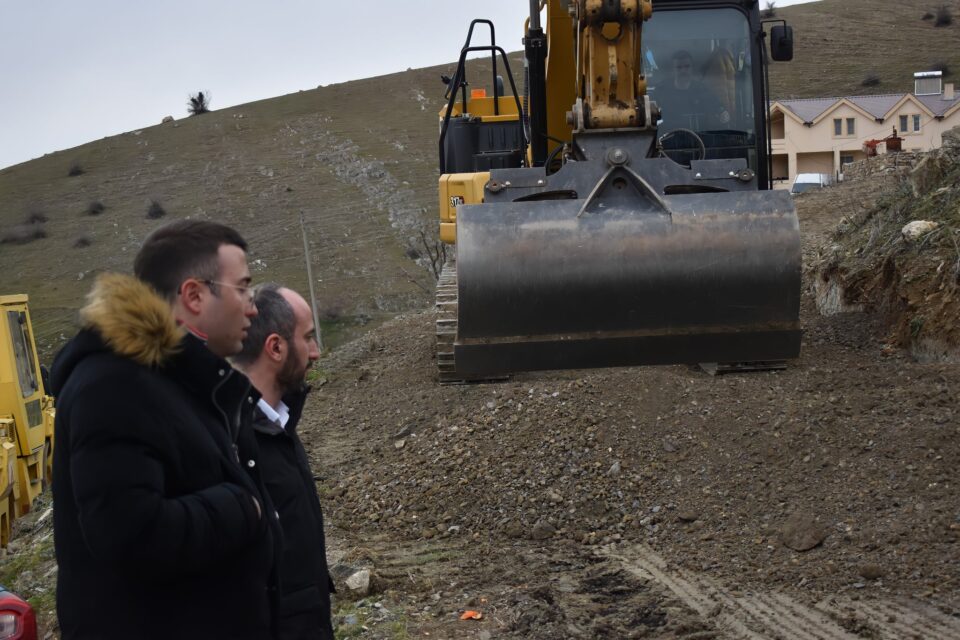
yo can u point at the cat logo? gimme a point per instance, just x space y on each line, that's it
455 200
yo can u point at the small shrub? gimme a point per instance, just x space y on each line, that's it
36 217
155 211
927 16
331 312
916 326
24 233
771 10
198 103
82 241
95 208
942 67
944 18
75 170
871 80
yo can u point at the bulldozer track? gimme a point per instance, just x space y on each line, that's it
762 616
446 308
446 305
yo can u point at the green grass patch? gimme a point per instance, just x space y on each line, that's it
318 375
355 619
336 332
24 574
399 630
350 620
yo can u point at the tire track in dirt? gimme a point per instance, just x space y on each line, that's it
896 619
777 615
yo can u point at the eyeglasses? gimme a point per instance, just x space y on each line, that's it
245 289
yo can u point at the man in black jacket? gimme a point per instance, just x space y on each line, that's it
280 347
160 529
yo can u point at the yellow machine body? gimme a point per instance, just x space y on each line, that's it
467 188
482 106
26 415
456 189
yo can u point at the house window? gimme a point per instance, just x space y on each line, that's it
845 160
910 123
838 127
928 85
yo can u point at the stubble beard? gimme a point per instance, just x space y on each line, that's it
292 375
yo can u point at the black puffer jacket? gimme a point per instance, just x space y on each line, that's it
155 527
305 585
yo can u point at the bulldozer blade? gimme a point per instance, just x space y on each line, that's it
681 279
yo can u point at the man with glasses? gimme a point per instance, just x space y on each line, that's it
161 526
279 350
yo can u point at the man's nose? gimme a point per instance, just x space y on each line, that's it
251 310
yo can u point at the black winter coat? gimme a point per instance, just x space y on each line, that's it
155 527
305 585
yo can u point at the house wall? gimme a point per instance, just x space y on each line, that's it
817 162
781 171
780 165
777 126
856 155
815 148
931 129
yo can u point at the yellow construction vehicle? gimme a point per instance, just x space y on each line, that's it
619 211
26 416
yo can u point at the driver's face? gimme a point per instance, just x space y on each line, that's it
682 69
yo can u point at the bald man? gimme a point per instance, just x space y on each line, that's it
280 347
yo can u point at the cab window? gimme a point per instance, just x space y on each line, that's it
26 365
699 70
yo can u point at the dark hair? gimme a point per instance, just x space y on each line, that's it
274 315
180 250
681 54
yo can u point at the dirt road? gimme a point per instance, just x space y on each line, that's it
817 502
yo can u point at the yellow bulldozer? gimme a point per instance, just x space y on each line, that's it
26 416
619 211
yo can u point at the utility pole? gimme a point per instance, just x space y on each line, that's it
313 296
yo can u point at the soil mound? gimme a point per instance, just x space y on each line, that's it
900 255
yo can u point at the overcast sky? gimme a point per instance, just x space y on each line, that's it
75 71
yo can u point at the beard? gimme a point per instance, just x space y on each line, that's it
291 377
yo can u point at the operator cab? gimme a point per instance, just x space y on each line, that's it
699 69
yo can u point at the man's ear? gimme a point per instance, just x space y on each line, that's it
190 296
274 347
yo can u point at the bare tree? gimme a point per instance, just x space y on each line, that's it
436 251
771 10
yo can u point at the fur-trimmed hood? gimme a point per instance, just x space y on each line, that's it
127 317
133 320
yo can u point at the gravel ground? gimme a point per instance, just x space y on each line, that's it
636 502
836 477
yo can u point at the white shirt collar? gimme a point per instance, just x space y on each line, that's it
280 415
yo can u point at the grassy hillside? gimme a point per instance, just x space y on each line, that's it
839 43
355 158
359 160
